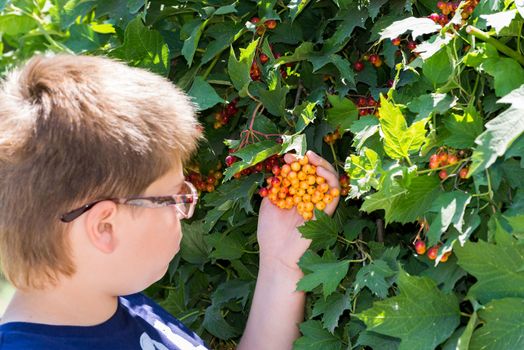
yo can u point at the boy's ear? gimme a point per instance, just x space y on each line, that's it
100 226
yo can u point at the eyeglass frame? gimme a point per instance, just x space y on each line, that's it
144 202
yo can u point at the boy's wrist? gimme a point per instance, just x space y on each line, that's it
277 267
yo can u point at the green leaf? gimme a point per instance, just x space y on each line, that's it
314 337
295 7
251 155
503 326
82 38
401 316
224 35
377 341
500 20
295 142
274 99
144 47
507 73
430 47
517 150
193 248
399 140
342 113
305 114
191 43
331 309
203 94
500 132
465 338
463 129
215 324
418 27
351 17
364 128
327 272
14 24
323 230
239 69
450 208
375 276
363 170
438 68
496 268
228 247
436 103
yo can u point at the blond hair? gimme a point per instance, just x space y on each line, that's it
75 129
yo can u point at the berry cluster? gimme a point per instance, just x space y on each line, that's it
374 59
431 253
444 158
254 71
448 10
205 183
332 137
297 184
222 117
265 166
367 105
344 185
261 28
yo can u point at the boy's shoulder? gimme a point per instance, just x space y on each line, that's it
139 323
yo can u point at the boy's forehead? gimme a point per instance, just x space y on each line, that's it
171 179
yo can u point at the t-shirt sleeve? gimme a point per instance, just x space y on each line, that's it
161 324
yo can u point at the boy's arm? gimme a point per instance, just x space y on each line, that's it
277 308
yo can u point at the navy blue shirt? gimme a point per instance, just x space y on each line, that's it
139 323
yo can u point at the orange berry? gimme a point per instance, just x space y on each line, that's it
272 197
281 204
307 215
304 185
289 202
300 207
313 170
311 190
282 195
328 198
286 182
301 175
307 168
306 198
320 180
323 188
344 192
301 192
295 166
311 179
285 169
292 191
274 190
297 199
320 205
335 192
445 257
292 174
304 160
308 206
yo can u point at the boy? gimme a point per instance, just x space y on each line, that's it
91 197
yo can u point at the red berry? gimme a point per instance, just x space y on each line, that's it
275 170
443 174
275 181
434 17
443 158
259 167
420 247
230 160
463 173
395 41
441 5
452 159
263 192
412 45
433 165
263 58
371 102
255 20
390 83
373 59
271 24
432 252
433 158
358 66
362 102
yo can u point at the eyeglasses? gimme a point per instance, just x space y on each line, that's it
184 203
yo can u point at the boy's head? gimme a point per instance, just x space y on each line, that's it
74 129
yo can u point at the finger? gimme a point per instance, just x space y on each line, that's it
290 158
318 161
332 181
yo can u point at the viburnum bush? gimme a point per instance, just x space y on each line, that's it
418 105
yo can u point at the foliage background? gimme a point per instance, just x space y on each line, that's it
460 90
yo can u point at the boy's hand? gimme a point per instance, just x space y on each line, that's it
279 239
